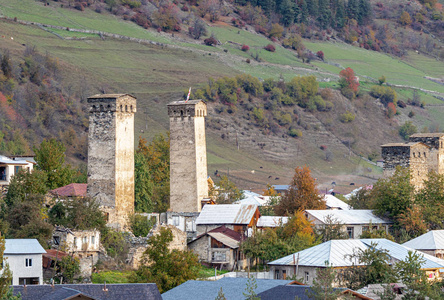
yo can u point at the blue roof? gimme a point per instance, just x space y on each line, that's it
233 288
23 246
337 252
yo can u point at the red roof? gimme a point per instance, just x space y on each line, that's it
228 232
53 253
71 190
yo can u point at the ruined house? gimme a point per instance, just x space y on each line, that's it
424 152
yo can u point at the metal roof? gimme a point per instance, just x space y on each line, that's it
337 252
226 214
224 239
348 217
333 202
281 187
8 161
271 221
23 246
432 240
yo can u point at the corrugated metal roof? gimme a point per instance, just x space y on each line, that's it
8 161
226 214
353 216
333 202
334 252
337 253
271 221
224 239
23 246
432 240
400 252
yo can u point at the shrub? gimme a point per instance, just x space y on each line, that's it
250 84
347 117
270 47
140 225
320 103
406 130
245 48
294 132
391 110
323 147
328 105
385 93
285 119
276 31
293 42
211 41
320 54
411 114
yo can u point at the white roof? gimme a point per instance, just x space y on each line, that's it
271 221
23 246
8 161
226 214
337 253
348 217
333 202
257 200
432 240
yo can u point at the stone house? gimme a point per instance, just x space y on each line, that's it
237 217
338 254
424 152
10 166
24 257
220 247
83 244
354 221
431 243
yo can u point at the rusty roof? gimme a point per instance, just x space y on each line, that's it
55 254
71 190
226 214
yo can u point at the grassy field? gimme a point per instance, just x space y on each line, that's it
111 277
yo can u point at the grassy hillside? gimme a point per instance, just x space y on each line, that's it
157 74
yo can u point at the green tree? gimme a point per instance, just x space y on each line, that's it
302 194
431 200
152 174
220 295
167 268
6 276
50 158
392 196
322 287
332 229
6 64
140 225
69 268
227 192
250 289
407 129
25 184
81 213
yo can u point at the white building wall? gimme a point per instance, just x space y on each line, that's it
17 264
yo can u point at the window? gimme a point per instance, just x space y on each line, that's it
276 274
16 169
307 276
219 256
93 240
85 239
75 242
365 228
28 262
350 232
176 220
56 240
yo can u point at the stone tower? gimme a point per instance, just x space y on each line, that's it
111 155
188 155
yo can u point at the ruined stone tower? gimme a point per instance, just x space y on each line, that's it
423 153
111 155
188 155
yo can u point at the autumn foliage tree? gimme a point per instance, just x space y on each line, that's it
349 83
301 195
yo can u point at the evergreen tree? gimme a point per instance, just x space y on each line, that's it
365 12
324 16
312 6
303 15
340 15
287 12
353 9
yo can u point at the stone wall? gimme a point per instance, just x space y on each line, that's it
111 155
188 161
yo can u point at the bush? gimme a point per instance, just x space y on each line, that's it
411 114
294 132
211 41
406 130
114 243
385 93
270 47
294 42
347 117
320 103
245 48
140 225
320 54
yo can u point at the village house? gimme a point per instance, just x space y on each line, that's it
24 257
331 202
237 217
71 190
339 254
10 166
354 222
271 222
219 247
431 243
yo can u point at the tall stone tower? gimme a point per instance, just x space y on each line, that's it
111 155
188 155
